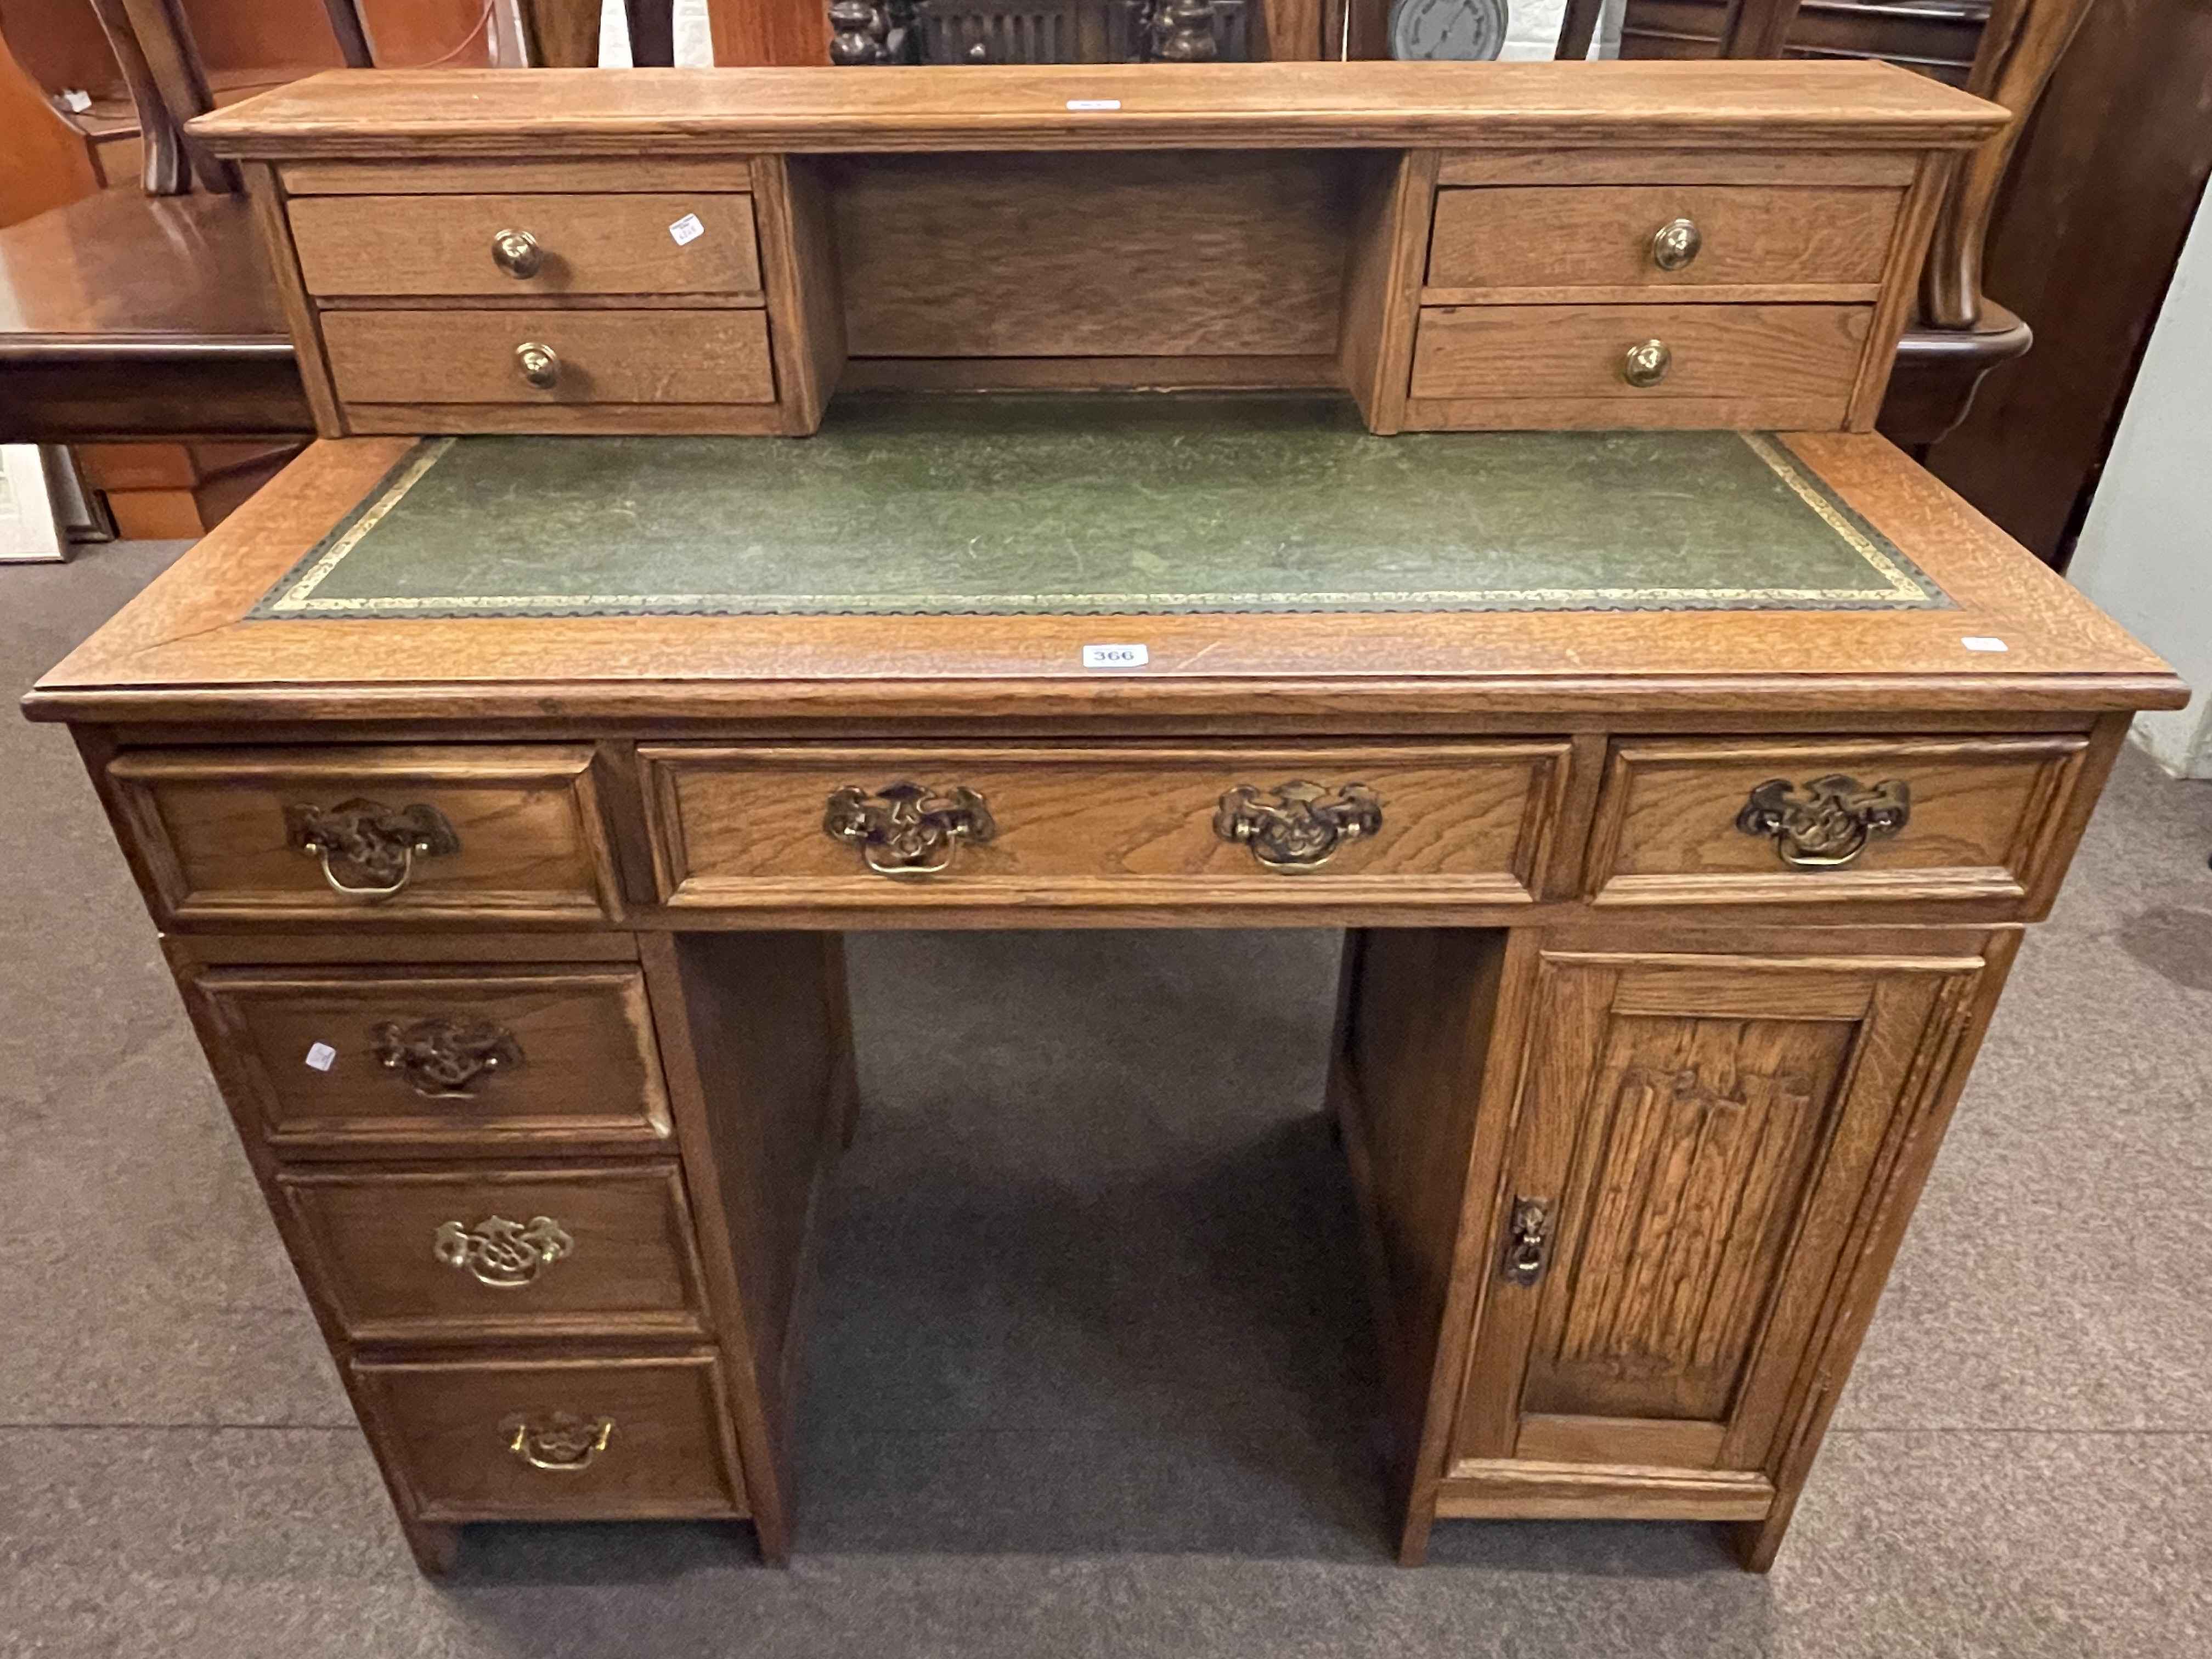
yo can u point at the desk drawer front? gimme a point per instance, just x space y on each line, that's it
738 826
1629 364
612 1439
550 357
1662 237
509 245
473 1253
373 836
367 1059
1726 821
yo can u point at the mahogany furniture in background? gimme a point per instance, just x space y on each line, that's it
1460 247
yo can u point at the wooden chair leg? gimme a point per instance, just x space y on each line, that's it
651 33
1578 27
563 33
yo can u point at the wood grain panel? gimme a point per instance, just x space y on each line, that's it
589 243
588 1072
1539 237
630 1268
605 357
445 1428
1213 253
1984 817
209 826
581 175
1643 165
1803 357
739 826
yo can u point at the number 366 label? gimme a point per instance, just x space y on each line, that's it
1115 656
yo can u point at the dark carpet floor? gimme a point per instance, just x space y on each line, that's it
1090 1372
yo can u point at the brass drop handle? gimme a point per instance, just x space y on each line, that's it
1528 1240
443 1059
502 1254
904 830
1675 244
1646 364
562 1444
379 842
517 253
539 363
1297 826
1827 822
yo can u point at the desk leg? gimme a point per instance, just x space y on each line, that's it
755 1040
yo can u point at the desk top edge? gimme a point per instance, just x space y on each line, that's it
366 113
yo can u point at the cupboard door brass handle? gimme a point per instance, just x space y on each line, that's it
539 363
905 831
1675 244
1528 1240
1646 364
367 839
562 1444
502 1254
517 253
1827 822
1297 826
445 1059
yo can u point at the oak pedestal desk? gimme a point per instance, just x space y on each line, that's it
1683 793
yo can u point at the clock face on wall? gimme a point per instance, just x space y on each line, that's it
1460 29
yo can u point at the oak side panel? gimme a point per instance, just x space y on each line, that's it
1900 286
1389 248
267 195
805 291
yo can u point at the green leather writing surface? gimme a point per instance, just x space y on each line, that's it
1029 505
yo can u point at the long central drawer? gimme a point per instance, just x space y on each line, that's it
1101 824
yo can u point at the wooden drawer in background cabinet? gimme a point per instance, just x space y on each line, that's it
374 835
630 1438
1096 825
1726 821
502 247
459 1252
366 1059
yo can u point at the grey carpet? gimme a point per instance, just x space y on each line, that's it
1090 1372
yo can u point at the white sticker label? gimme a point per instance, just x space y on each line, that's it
1983 642
321 1056
1115 656
1094 103
687 229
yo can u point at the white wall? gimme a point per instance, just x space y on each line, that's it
2146 550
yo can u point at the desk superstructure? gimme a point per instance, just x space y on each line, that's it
505 885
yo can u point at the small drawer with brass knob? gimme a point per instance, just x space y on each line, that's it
701 243
451 1253
1099 826
623 1436
1716 821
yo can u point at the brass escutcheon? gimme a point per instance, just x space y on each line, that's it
1827 824
562 1444
905 831
1646 364
517 253
1676 243
366 837
1297 826
502 1254
1527 1241
539 363
445 1059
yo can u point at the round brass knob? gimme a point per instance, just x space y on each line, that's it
1646 364
517 253
1676 243
539 363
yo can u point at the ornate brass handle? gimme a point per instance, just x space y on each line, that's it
445 1059
1676 243
1827 824
1527 1240
517 253
502 1254
905 829
366 837
1297 826
539 363
1646 363
562 1444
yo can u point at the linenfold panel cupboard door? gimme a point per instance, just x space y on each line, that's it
1694 1139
